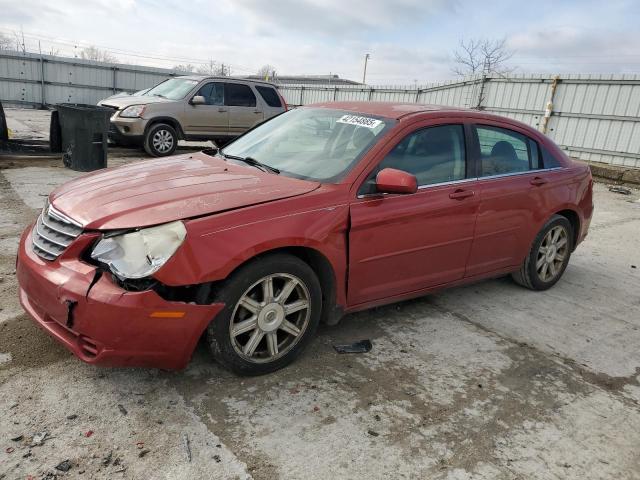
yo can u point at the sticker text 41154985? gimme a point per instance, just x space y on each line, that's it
359 121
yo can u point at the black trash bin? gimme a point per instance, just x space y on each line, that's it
4 131
84 135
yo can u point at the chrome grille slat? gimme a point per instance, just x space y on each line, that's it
58 228
53 233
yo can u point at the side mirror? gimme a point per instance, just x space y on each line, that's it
390 180
198 100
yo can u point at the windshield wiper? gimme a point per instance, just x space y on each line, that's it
253 162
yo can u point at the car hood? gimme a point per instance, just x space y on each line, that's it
163 190
123 102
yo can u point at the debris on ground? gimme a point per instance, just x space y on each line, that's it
72 417
39 438
217 458
621 190
18 438
143 452
140 445
64 466
187 446
88 433
107 460
122 409
373 433
363 346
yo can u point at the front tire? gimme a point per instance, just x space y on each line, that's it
272 310
548 257
161 140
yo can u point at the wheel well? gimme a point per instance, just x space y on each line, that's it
573 218
169 121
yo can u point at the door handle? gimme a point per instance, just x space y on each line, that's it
222 110
257 111
537 181
461 194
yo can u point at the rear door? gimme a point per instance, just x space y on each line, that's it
513 185
209 119
244 109
405 243
271 100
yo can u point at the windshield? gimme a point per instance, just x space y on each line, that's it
311 143
173 89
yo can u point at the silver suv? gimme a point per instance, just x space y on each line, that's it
191 108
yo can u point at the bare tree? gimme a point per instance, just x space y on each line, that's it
482 56
19 38
214 68
94 53
5 42
184 68
267 71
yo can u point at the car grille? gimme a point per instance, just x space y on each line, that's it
53 233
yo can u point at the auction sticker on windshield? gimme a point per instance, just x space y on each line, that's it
359 121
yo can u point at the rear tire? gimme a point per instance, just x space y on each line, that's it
549 255
272 310
161 140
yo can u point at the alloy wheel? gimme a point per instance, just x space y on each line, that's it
270 318
552 253
162 141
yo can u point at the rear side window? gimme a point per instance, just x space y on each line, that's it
433 155
269 95
504 151
239 95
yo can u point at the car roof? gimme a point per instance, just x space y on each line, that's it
199 78
399 110
393 110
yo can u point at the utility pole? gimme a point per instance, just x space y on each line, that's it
367 56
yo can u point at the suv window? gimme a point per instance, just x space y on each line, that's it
213 93
505 151
239 95
433 155
270 96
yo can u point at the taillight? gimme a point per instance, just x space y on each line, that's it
284 104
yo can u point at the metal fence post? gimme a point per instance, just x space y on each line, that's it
115 79
301 94
548 109
371 94
43 101
483 80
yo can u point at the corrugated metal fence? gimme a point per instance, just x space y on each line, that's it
593 117
30 79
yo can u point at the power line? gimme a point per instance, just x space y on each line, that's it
130 53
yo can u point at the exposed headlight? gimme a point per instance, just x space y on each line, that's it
133 111
142 253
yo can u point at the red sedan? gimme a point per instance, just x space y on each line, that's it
323 210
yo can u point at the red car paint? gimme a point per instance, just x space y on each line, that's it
377 249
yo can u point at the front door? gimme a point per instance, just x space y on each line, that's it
209 119
400 244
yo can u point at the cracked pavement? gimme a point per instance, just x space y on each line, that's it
487 381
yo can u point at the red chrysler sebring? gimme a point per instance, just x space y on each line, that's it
323 210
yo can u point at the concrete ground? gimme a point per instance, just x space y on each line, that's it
488 381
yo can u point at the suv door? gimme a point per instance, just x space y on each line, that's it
513 184
209 119
244 109
272 102
406 243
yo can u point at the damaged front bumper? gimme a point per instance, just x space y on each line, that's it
100 322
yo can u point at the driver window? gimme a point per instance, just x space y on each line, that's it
213 93
433 155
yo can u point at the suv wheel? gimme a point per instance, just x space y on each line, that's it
160 140
548 257
272 309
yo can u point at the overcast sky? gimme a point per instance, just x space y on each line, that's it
409 40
